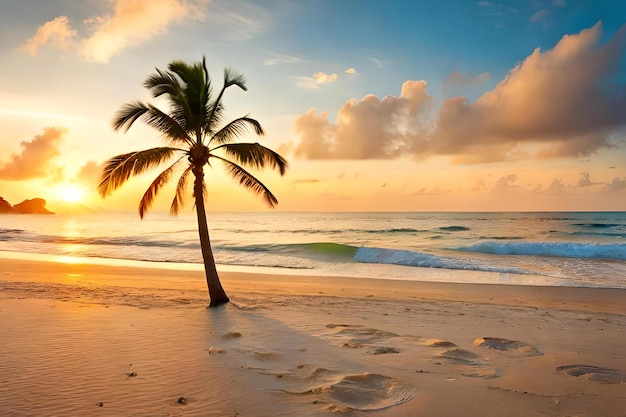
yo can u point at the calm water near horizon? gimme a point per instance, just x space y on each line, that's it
551 248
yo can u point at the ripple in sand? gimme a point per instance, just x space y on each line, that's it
512 347
366 392
595 373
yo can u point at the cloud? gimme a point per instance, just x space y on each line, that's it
557 186
131 23
490 8
553 104
277 59
460 80
316 80
585 180
56 32
350 71
366 129
559 3
616 185
89 173
378 63
540 17
322 78
35 159
237 20
563 102
506 185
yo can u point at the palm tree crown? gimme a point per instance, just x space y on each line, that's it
197 135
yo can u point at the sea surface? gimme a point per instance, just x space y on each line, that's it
552 248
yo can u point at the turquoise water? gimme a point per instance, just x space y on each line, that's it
578 249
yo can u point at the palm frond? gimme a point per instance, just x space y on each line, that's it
248 181
166 83
233 78
162 82
177 202
128 114
254 155
148 197
196 91
235 129
165 124
120 168
230 78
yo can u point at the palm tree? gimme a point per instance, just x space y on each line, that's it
197 136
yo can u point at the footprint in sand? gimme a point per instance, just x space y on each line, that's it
453 352
357 336
510 347
595 373
342 393
339 392
461 355
471 364
438 343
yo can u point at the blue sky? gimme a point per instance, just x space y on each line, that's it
514 105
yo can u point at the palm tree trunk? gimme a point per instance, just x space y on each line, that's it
216 292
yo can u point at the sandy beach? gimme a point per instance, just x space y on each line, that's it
96 340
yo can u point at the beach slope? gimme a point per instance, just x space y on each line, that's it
82 339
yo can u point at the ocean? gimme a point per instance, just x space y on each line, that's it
551 248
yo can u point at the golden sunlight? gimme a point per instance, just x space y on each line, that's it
70 193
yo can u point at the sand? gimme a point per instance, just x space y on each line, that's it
96 340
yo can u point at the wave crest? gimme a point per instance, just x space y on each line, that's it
559 249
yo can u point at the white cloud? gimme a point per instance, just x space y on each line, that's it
350 71
323 78
378 63
316 80
278 59
541 17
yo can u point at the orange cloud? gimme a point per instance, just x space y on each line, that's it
551 105
56 32
458 79
366 129
89 174
131 22
559 103
36 157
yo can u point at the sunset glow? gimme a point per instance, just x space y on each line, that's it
70 193
437 106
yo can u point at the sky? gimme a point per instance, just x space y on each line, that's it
404 105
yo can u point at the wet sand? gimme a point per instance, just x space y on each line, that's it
103 340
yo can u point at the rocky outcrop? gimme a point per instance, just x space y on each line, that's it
5 207
32 206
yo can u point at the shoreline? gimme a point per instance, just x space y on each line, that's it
613 300
84 339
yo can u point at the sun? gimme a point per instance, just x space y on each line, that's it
70 193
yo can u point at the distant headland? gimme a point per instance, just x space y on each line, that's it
32 206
